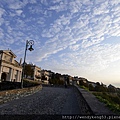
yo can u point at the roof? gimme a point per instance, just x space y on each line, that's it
8 51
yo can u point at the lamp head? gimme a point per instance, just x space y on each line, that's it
30 49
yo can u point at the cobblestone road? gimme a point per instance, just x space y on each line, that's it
48 101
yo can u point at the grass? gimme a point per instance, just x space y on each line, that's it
86 88
111 101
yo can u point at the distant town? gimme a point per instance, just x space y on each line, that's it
11 70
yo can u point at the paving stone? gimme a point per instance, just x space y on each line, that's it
51 101
48 101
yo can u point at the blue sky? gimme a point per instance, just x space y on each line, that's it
75 37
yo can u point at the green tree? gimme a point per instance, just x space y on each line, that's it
100 87
91 88
28 71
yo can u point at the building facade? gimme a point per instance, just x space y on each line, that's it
32 72
36 73
45 76
10 69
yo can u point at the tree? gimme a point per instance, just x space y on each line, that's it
91 88
28 71
100 87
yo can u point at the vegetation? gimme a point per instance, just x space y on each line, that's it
86 88
56 81
111 100
28 70
30 83
109 95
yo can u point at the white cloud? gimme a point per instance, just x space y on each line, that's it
92 60
114 2
75 6
1 21
58 8
19 12
45 2
15 4
75 47
1 34
87 27
71 32
2 11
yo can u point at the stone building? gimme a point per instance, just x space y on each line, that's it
32 72
45 76
36 73
10 69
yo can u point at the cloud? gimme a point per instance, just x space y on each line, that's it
70 33
2 11
85 27
101 9
75 47
91 60
1 34
15 4
114 2
58 8
19 12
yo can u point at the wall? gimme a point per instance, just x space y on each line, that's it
8 95
10 67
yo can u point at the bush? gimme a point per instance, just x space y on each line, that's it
56 81
91 88
30 83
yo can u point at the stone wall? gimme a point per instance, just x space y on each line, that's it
9 95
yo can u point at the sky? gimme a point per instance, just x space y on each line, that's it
75 37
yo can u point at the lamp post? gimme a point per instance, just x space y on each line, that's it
28 43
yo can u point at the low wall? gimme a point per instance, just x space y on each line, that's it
97 107
9 95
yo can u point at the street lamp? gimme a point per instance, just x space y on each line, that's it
28 43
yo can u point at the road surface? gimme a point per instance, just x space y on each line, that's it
48 101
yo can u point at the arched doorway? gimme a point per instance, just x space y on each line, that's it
4 76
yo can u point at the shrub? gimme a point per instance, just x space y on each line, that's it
30 83
91 88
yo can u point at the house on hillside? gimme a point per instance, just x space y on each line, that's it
45 76
92 83
80 80
36 73
10 69
32 72
70 80
67 79
76 80
62 78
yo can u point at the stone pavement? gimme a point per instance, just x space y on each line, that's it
48 101
54 101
